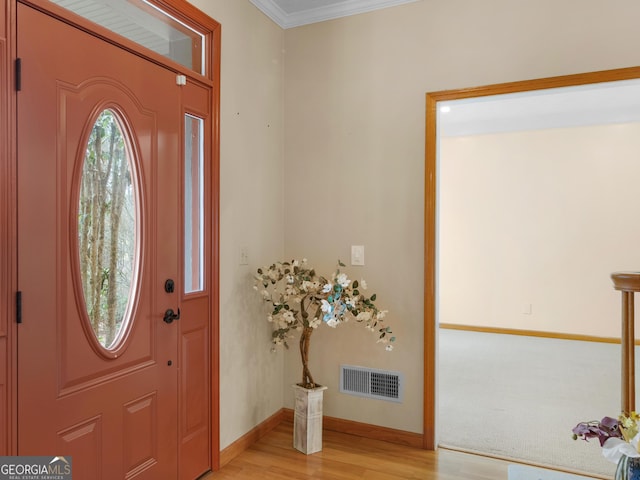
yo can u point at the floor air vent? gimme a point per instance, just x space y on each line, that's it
371 383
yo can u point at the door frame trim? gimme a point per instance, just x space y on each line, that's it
8 165
8 217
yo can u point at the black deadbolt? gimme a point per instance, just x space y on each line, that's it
169 286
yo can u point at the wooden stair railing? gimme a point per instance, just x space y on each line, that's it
628 283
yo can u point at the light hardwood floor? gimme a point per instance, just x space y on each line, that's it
347 457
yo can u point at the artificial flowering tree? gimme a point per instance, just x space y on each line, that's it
302 300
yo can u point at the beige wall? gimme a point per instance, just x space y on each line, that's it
345 113
251 212
354 139
538 220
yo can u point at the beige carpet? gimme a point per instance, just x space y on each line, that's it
524 472
519 397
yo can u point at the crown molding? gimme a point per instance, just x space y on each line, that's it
319 14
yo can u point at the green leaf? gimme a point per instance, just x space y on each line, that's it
356 292
260 271
355 284
388 330
392 339
373 297
341 264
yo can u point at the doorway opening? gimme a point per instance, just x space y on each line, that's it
434 310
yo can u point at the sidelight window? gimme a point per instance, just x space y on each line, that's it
193 204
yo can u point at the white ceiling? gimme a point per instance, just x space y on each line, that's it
293 13
596 104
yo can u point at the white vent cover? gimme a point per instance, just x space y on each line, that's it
371 383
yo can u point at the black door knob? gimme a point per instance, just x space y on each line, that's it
170 316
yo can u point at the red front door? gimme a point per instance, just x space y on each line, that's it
111 404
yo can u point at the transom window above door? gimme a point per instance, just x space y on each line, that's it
147 25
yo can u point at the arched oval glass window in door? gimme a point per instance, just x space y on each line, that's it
107 230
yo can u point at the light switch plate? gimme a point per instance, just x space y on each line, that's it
357 254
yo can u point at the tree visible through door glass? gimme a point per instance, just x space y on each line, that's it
107 230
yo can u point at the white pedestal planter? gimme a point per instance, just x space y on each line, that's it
307 420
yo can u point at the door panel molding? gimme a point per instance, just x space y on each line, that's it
139 348
84 437
141 434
